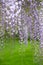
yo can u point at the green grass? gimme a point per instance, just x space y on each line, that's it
14 53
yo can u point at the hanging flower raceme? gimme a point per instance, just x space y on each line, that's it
21 17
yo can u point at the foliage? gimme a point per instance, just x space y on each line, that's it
13 53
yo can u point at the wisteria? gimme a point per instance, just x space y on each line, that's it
16 20
22 18
34 20
41 30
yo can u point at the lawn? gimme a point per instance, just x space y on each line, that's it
14 53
